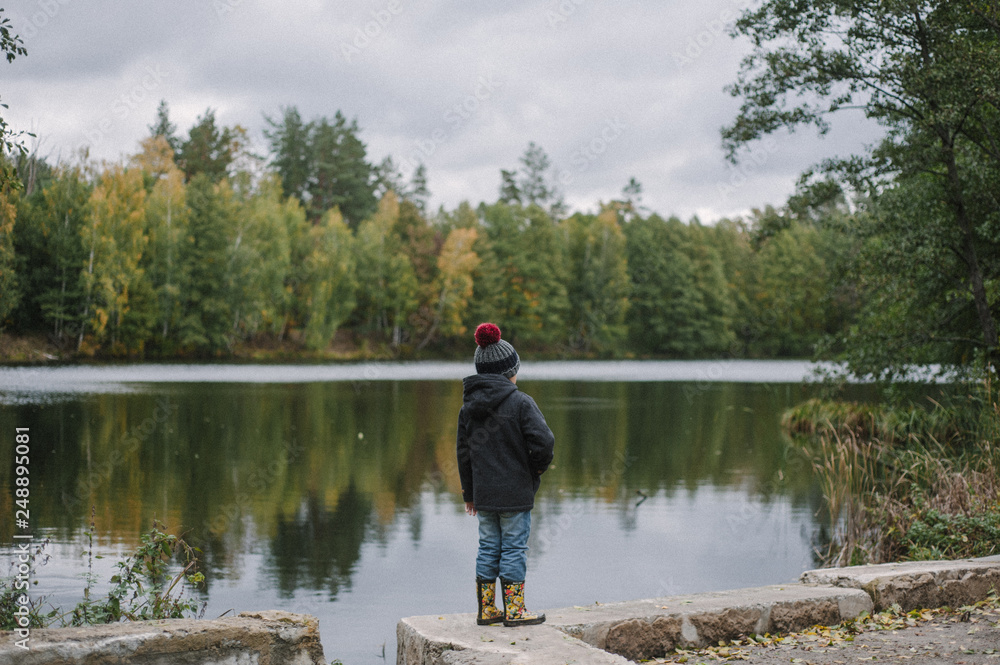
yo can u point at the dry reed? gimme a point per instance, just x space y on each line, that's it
886 474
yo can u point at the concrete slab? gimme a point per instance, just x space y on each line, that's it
642 629
916 584
263 638
455 639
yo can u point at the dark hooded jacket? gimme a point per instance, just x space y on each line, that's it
504 444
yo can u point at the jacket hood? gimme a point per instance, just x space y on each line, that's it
483 393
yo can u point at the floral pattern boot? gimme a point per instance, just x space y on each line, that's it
486 593
513 606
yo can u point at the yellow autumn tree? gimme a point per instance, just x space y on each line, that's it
388 287
118 298
456 264
167 216
155 157
330 287
10 294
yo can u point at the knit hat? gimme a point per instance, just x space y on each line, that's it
493 355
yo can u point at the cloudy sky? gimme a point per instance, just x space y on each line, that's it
610 90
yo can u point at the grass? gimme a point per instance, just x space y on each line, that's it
143 587
827 639
28 349
889 424
906 482
16 587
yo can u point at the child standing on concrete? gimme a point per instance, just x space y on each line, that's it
504 446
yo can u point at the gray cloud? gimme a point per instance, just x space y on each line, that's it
609 90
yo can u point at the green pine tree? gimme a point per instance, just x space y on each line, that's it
388 287
330 286
598 281
206 319
10 292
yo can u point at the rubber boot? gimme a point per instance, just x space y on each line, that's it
514 613
486 593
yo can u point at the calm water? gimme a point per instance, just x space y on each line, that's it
334 491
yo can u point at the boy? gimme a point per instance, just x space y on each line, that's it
504 445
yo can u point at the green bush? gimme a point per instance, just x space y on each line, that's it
936 535
899 424
142 589
907 482
11 590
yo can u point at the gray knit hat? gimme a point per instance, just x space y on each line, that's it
493 355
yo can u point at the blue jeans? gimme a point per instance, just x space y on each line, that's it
503 545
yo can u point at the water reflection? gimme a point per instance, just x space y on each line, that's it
339 499
318 548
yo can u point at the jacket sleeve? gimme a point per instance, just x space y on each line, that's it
537 435
464 458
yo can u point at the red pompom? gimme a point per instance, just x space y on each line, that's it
487 334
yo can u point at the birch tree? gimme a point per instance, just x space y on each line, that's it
114 240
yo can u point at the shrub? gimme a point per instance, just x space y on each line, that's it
903 482
143 587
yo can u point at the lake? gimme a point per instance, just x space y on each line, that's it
332 490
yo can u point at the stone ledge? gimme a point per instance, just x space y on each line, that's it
916 584
634 630
261 638
455 639
641 629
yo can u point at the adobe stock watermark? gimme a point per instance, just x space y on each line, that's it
371 371
590 151
223 8
795 463
257 481
667 587
711 31
371 30
99 474
30 25
126 104
479 434
551 532
751 164
561 11
708 378
447 469
454 118
16 379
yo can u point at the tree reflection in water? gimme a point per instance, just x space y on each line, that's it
284 486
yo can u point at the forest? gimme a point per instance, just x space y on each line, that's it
197 248
887 260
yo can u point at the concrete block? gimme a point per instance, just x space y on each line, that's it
644 629
916 584
258 638
455 639
635 630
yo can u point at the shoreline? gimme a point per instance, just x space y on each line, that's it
645 629
36 350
